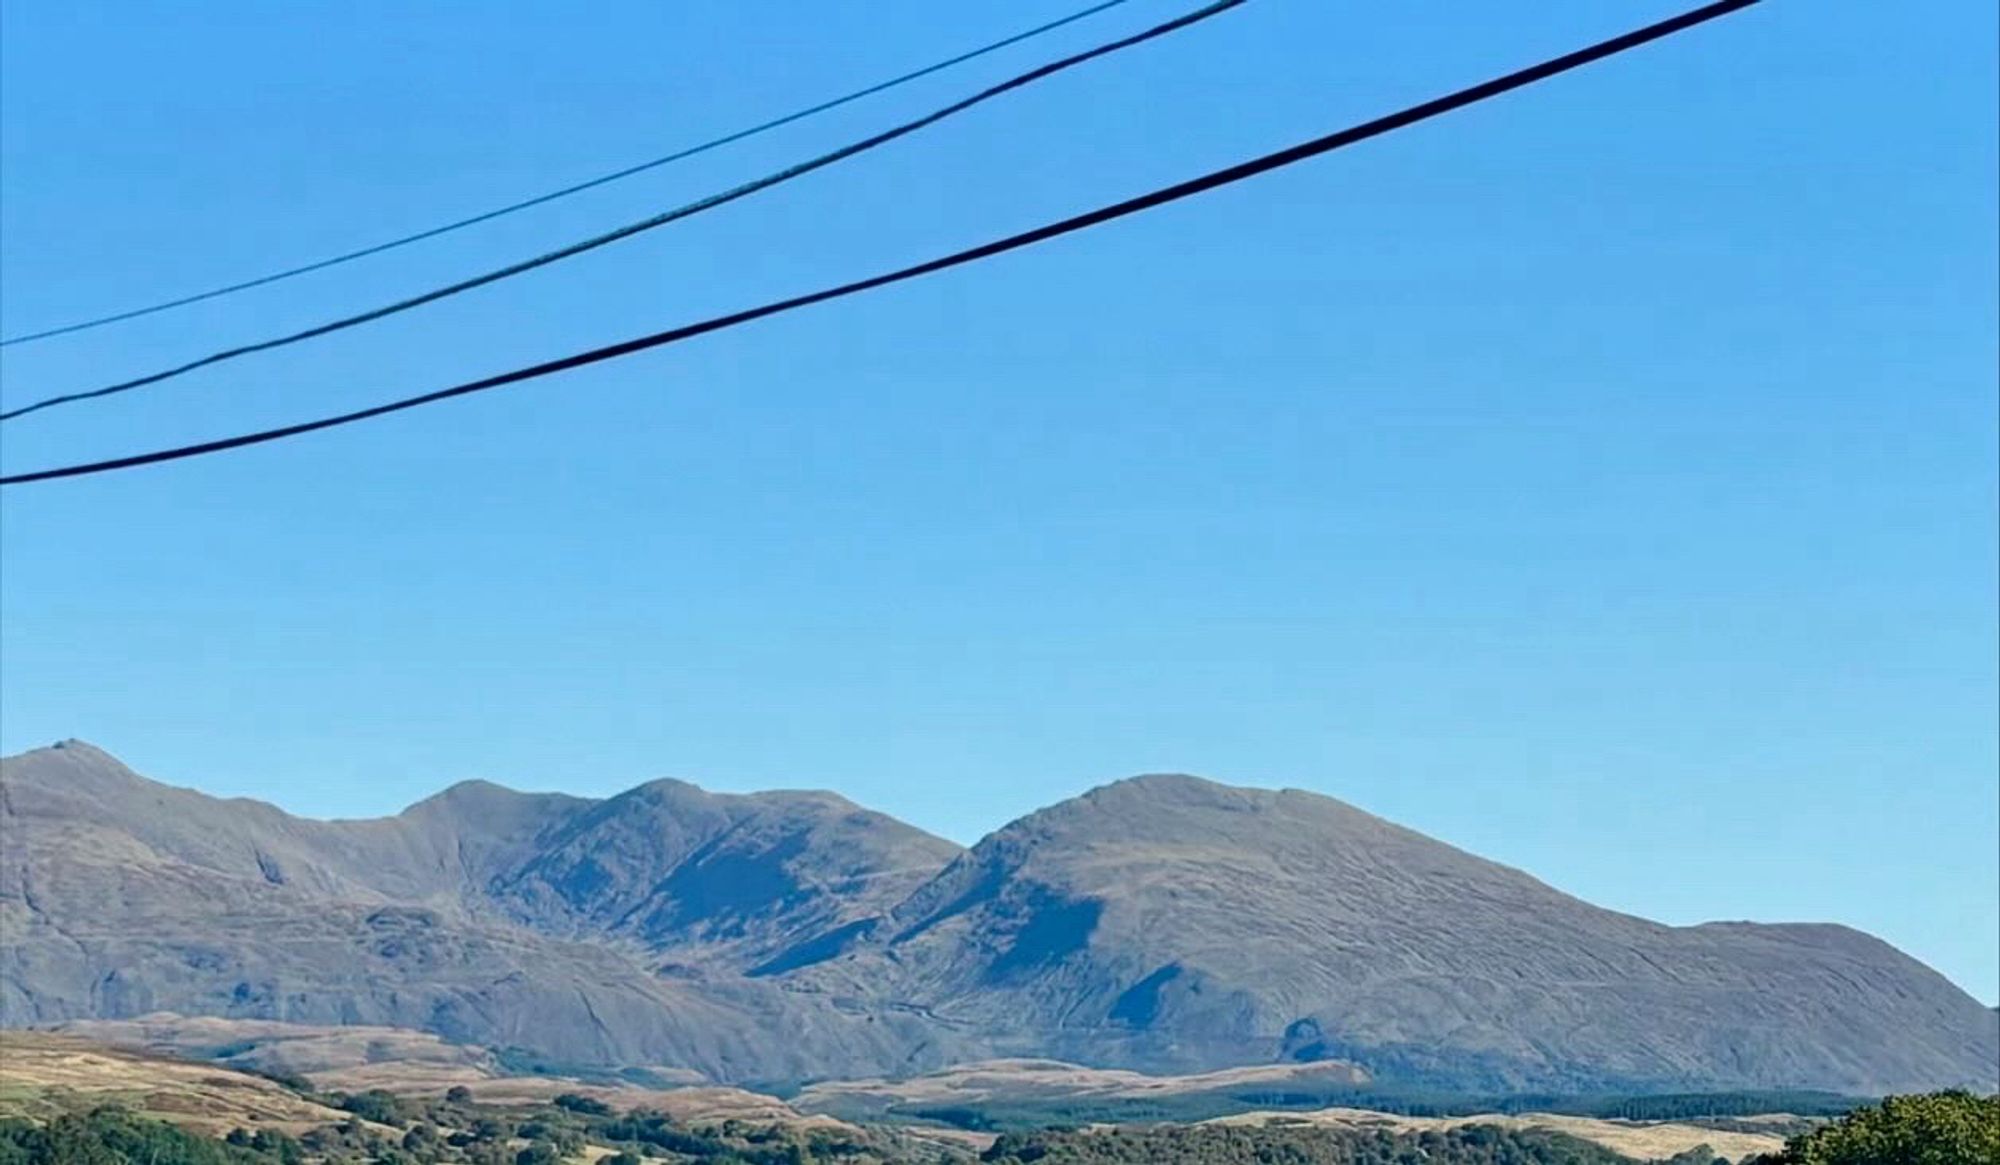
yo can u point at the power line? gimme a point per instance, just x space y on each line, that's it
566 191
1224 177
646 224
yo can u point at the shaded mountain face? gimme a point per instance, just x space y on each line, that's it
711 879
1162 923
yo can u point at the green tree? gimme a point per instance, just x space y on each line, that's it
588 1106
283 1148
374 1105
1940 1128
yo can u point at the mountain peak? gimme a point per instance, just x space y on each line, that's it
1188 791
477 797
670 787
75 767
74 749
1201 792
1167 784
673 790
1159 807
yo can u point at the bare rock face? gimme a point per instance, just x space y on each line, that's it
1161 923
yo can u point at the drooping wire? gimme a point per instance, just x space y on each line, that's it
1232 174
566 191
646 224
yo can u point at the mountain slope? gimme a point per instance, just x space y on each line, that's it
1168 921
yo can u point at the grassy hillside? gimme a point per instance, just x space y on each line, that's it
65 1101
45 1076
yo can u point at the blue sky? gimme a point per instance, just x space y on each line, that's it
1601 479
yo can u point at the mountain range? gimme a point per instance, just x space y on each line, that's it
1161 923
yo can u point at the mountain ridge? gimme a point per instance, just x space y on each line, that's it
1161 922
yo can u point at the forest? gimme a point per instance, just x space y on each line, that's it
1945 1128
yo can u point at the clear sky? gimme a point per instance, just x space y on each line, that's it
1601 479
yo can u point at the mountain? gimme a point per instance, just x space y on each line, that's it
1172 922
1160 924
472 915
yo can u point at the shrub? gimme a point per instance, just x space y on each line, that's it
585 1105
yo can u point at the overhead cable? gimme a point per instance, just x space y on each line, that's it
1218 178
566 191
646 224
